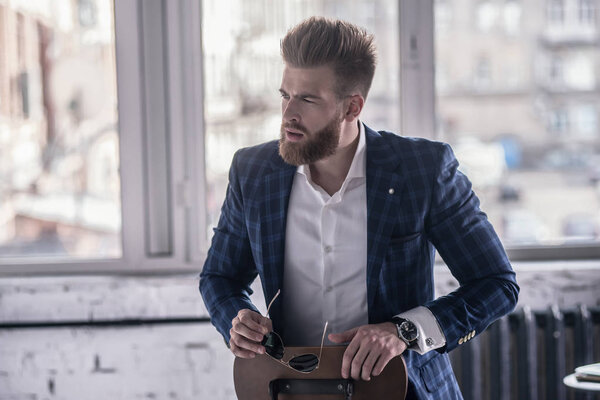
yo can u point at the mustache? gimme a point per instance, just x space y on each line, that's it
296 127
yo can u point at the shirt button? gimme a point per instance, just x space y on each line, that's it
328 289
328 249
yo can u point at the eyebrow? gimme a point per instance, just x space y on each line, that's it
303 95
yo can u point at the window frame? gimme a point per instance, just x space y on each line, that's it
175 244
156 133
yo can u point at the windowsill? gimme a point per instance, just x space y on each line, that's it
149 294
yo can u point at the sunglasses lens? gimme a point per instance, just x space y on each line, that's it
304 362
273 345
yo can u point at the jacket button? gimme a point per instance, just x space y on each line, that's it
461 340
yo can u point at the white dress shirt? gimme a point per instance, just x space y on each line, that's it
324 276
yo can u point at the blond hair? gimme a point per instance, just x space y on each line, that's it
349 49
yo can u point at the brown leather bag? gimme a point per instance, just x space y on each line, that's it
263 378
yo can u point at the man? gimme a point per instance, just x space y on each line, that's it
344 221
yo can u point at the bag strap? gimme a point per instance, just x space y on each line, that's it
311 386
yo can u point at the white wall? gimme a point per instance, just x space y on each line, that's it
166 361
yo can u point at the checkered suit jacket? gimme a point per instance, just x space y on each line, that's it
431 207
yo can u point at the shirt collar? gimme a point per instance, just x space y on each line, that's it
357 168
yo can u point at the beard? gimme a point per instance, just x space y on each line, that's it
314 146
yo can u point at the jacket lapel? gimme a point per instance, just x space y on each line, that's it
276 188
384 190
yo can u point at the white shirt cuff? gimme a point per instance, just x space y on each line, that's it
430 335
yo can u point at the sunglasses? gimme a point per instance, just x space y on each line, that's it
274 347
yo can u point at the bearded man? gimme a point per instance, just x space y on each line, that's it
344 221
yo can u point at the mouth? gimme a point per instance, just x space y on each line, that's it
293 136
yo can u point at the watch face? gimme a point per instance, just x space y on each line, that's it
409 331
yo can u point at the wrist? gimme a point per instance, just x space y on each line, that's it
406 331
390 328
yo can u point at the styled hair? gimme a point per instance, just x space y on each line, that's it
349 49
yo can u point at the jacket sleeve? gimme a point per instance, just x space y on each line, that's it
471 249
229 268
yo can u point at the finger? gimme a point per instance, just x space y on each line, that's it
358 361
343 337
240 352
246 344
254 321
349 357
243 330
367 367
382 361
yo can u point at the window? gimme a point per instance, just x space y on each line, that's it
555 12
59 143
155 176
90 192
588 12
585 117
559 122
243 70
512 17
532 148
556 71
579 71
487 15
482 76
444 14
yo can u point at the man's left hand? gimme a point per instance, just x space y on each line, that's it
371 348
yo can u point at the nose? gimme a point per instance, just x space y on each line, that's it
289 111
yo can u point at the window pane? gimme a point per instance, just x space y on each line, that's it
59 162
519 102
243 67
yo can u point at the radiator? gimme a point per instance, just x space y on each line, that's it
525 355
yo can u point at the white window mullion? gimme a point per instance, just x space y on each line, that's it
127 33
184 53
417 68
176 106
194 129
157 142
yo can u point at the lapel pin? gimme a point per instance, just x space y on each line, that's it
391 191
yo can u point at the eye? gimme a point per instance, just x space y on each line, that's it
284 96
306 100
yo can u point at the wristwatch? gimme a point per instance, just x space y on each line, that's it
407 331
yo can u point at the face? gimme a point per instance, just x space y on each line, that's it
311 115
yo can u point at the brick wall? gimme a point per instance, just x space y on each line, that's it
148 362
164 360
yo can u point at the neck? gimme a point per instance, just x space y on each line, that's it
330 172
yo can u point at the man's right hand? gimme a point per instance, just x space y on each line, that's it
247 331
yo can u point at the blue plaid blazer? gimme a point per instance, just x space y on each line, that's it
431 207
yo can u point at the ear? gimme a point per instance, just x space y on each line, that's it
353 107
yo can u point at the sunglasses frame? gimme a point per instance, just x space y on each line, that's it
287 363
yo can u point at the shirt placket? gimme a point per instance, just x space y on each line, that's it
328 227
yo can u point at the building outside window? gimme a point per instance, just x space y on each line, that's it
555 11
487 14
243 70
59 163
512 17
509 104
531 148
588 10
